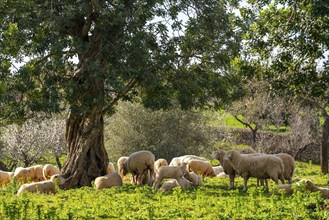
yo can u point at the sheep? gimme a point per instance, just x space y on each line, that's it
218 169
247 151
43 187
177 161
193 178
202 167
159 163
286 188
138 164
258 166
5 177
173 172
108 181
170 184
110 168
309 185
49 170
222 175
120 163
33 173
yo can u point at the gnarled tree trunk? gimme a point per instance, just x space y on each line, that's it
87 157
325 143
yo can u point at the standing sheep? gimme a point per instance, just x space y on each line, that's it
120 165
171 172
33 173
227 167
261 166
139 164
202 167
49 170
5 177
108 181
289 165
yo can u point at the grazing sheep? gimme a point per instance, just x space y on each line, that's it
5 177
259 166
177 161
289 165
309 185
218 169
49 170
193 178
108 181
33 173
110 168
171 172
43 187
201 167
138 164
120 163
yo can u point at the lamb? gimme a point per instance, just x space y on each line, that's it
218 169
138 164
43 187
159 163
193 178
170 184
286 188
110 168
108 181
177 161
309 185
172 172
33 173
49 170
120 163
5 177
202 167
258 166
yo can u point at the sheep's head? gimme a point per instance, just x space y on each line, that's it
124 170
215 154
309 185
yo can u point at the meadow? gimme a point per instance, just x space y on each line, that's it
212 200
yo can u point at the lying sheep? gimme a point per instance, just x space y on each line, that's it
138 164
193 178
43 187
49 170
286 188
309 185
5 177
222 175
201 167
120 163
177 161
171 172
110 168
33 173
170 184
108 181
261 166
218 169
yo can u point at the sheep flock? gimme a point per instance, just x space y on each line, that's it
185 171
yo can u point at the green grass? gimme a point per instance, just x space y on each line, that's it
212 200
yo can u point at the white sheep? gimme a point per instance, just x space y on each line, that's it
5 177
258 166
218 169
309 185
171 172
222 175
201 167
33 173
110 168
120 164
193 178
177 161
159 163
227 167
139 164
43 187
49 170
108 181
170 184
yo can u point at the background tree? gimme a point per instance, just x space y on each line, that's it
290 41
158 50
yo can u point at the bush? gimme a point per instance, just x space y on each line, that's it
167 134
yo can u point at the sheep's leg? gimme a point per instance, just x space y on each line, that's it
245 180
231 182
156 182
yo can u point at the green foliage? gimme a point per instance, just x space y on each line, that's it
165 133
212 200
